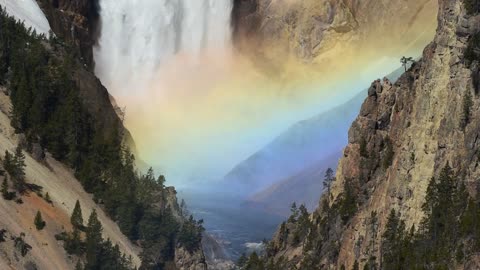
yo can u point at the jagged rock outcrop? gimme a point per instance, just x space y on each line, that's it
184 259
74 22
404 134
311 28
215 254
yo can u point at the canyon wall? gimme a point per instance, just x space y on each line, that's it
311 30
404 135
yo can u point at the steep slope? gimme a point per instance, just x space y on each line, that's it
404 135
64 189
304 187
93 94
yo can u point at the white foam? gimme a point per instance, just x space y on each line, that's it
29 12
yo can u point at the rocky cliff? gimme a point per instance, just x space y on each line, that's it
74 22
405 134
184 259
311 29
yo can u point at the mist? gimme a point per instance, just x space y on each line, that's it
196 106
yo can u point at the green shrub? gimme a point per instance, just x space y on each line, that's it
451 219
190 235
467 109
39 222
472 6
61 236
48 199
22 246
5 193
2 235
473 47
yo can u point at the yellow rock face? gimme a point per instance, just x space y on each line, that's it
320 30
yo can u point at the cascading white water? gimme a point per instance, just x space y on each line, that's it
138 37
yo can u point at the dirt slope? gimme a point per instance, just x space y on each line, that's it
64 190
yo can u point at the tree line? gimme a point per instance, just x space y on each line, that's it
38 72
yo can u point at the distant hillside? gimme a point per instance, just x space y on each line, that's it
301 146
304 187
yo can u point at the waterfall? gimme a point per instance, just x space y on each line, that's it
138 37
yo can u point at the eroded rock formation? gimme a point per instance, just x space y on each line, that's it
404 135
311 28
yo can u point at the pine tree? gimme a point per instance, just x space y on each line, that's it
78 266
190 235
39 222
93 242
303 224
77 219
255 262
372 249
328 180
15 166
405 60
21 96
472 6
4 190
161 181
47 198
467 108
348 203
8 164
440 226
242 260
4 187
73 243
19 160
356 266
294 213
184 209
393 242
